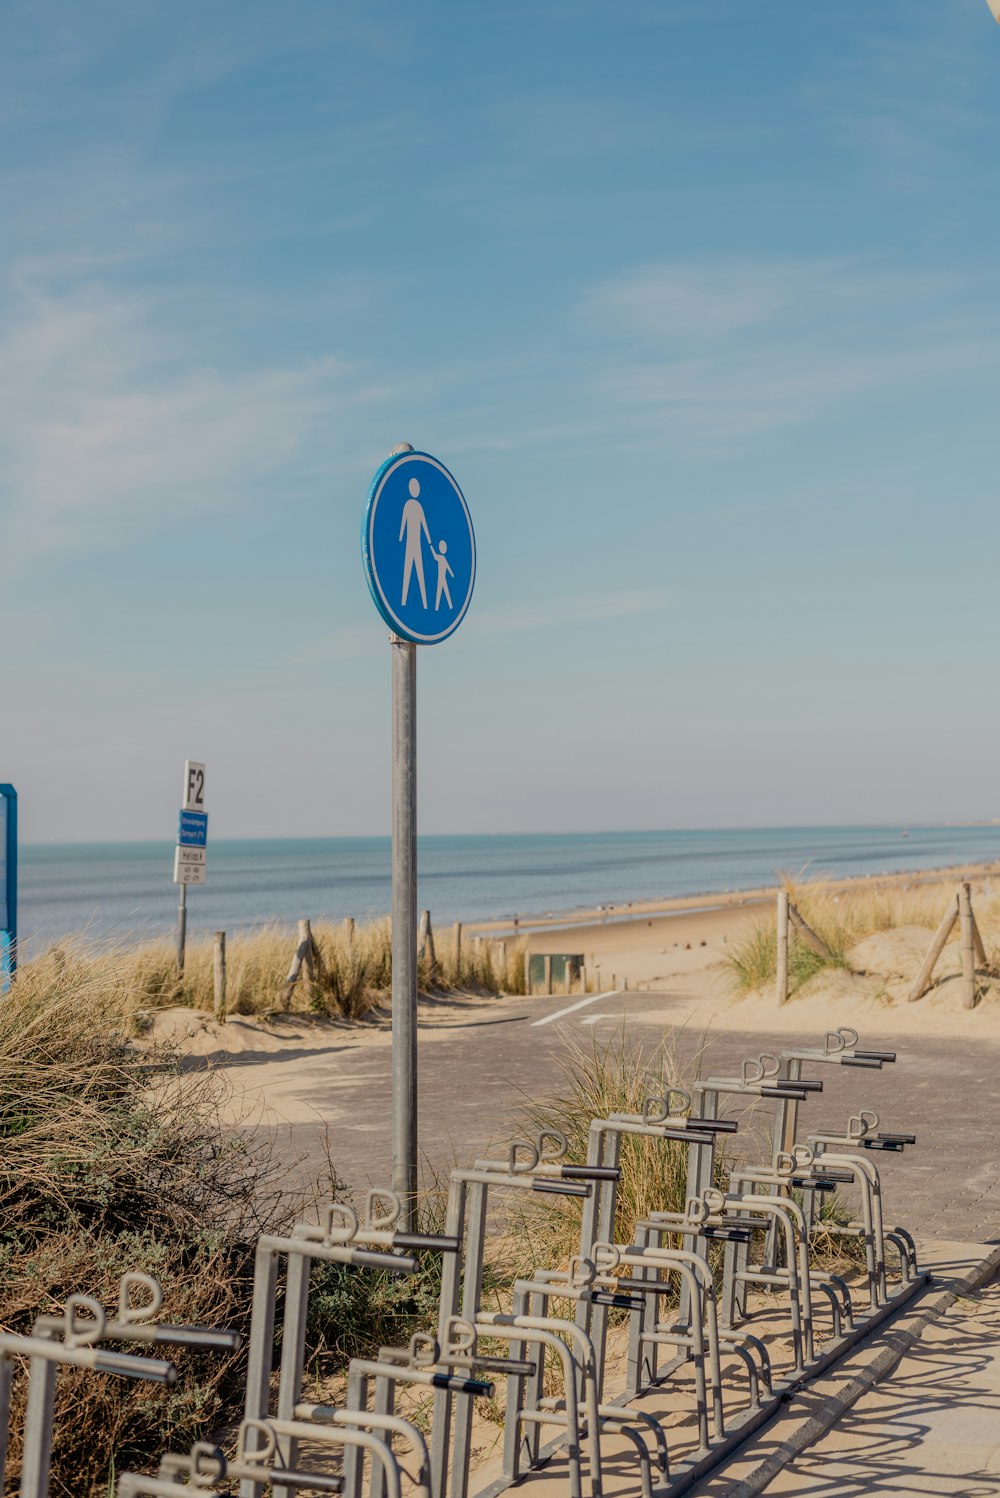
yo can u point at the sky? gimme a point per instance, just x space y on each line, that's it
698 299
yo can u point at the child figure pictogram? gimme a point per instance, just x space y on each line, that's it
445 571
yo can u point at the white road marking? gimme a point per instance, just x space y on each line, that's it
580 1004
593 1019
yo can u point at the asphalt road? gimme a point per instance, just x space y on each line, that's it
479 1064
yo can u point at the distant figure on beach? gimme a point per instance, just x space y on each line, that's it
444 572
414 527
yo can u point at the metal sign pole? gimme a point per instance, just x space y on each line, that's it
419 554
190 853
404 926
182 917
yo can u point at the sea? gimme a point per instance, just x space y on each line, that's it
121 893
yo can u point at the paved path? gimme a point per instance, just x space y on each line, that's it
479 1063
932 1428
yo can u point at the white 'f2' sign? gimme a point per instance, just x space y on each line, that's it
193 798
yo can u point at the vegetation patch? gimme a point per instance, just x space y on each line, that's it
354 977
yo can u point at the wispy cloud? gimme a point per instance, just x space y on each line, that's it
912 94
366 642
731 348
110 426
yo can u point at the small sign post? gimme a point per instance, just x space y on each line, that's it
419 554
192 845
8 886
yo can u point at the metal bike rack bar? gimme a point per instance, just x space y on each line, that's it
335 1248
45 1357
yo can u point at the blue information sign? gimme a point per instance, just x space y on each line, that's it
192 829
419 548
8 885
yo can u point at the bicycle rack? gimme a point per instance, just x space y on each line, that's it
765 1221
45 1357
332 1244
538 1168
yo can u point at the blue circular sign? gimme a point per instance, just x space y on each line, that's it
419 548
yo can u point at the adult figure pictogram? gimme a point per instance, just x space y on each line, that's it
413 528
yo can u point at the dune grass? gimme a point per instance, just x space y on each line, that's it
843 917
113 1160
594 1082
356 975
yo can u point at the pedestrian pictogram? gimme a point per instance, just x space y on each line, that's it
419 548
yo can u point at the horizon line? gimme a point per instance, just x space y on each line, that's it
523 832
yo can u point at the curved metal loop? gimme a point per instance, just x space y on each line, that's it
606 1256
527 1152
376 1220
341 1224
753 1070
851 1036
80 1332
208 1465
130 1313
459 1337
714 1199
785 1163
773 1064
658 1107
261 1453
834 1042
424 1350
582 1272
697 1209
860 1124
804 1154
558 1145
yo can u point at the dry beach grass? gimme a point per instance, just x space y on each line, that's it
355 980
844 918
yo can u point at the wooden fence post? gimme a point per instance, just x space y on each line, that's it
781 959
458 950
981 956
426 945
968 947
220 974
501 961
527 972
806 931
349 930
304 956
547 970
942 934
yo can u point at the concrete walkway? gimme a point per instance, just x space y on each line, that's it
914 1411
934 1427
